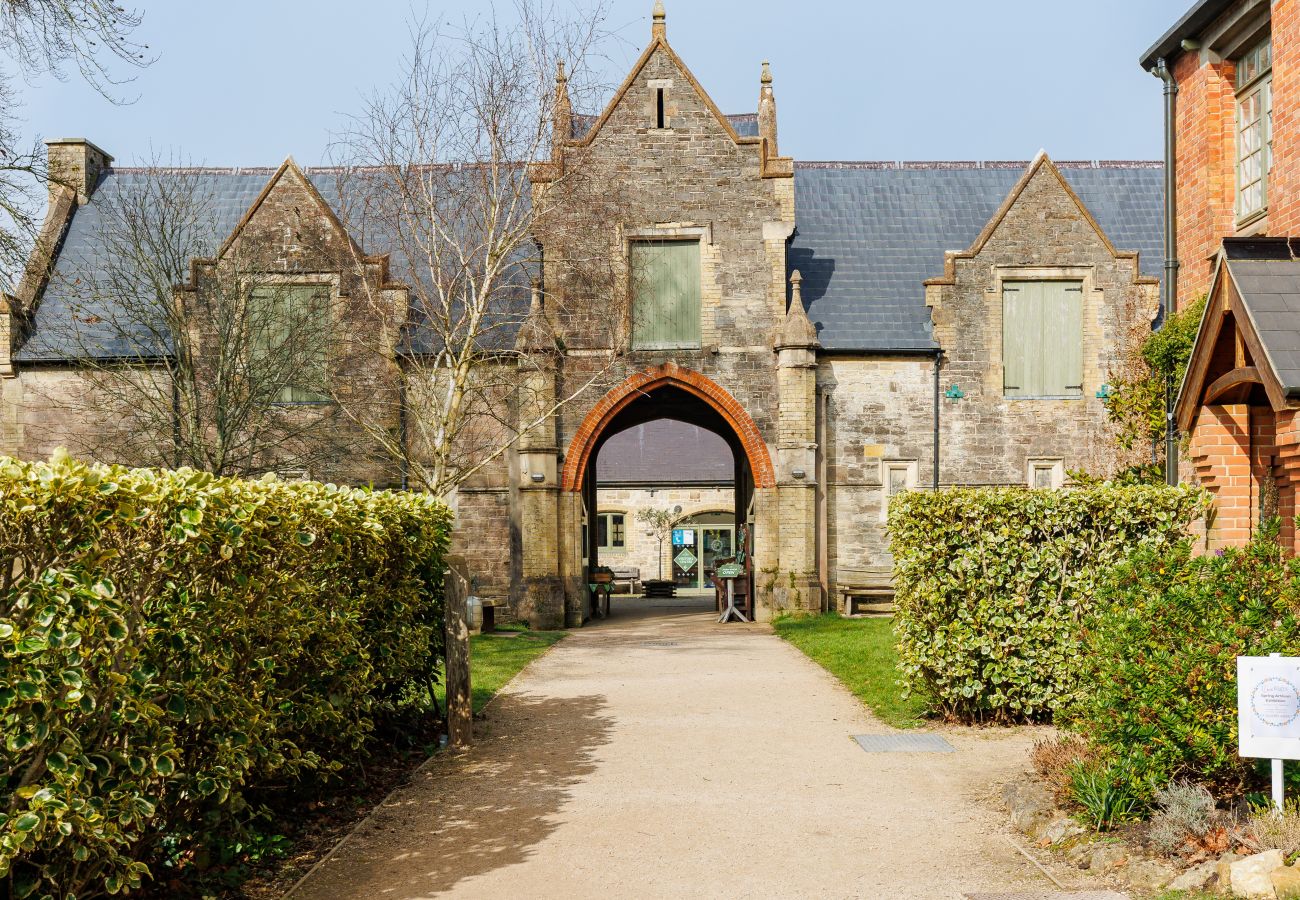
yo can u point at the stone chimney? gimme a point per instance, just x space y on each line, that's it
767 110
75 163
658 29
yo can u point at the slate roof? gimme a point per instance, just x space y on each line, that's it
868 234
1270 291
665 451
71 323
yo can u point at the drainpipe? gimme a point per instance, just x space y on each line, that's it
1169 285
938 360
401 428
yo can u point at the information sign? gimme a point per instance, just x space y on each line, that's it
1268 712
730 570
683 537
1268 706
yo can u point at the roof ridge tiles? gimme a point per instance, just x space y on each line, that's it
975 164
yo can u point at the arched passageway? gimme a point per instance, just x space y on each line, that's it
670 392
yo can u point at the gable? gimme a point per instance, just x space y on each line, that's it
686 103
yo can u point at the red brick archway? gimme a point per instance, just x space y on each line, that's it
640 384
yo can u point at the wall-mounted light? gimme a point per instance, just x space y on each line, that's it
954 393
538 477
798 473
1104 393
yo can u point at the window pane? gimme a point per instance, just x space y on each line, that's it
665 294
602 530
897 480
616 531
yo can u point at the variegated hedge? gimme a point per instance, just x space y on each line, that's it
171 641
993 586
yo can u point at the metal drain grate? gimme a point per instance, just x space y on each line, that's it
903 743
655 645
1051 895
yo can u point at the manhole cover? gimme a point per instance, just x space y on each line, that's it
659 644
1052 895
903 743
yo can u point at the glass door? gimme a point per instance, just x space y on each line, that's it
686 557
717 542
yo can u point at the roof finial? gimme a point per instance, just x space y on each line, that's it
796 292
658 29
767 110
560 77
562 114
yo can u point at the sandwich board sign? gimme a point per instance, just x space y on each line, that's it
1268 711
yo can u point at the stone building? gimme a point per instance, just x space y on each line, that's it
848 330
1236 65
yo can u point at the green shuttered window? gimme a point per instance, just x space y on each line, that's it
1042 338
665 294
288 334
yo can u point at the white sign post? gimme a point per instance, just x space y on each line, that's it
1268 711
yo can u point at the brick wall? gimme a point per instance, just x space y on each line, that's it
1205 167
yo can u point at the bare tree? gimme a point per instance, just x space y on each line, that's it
192 353
437 173
45 36
660 522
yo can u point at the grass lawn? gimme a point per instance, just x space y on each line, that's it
496 658
862 654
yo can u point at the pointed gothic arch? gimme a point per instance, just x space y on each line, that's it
591 433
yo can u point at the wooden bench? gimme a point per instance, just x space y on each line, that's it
627 579
866 592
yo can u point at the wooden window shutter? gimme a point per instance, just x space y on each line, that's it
1042 338
665 294
288 341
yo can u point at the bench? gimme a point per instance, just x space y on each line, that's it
866 592
627 579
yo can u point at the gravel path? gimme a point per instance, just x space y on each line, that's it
659 754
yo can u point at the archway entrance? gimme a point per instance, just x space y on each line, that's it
670 392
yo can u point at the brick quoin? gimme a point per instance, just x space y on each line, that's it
636 386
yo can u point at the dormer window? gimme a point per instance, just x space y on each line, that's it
1254 82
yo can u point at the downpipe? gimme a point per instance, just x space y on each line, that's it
1169 285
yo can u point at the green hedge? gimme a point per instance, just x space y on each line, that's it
171 642
1169 627
993 584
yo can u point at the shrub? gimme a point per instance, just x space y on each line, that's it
171 642
1106 797
1164 644
1272 829
1184 815
1055 761
993 585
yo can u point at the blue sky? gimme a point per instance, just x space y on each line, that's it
239 82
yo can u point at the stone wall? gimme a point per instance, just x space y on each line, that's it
642 550
1043 233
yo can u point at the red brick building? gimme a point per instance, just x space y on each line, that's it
1236 64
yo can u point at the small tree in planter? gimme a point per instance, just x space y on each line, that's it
660 522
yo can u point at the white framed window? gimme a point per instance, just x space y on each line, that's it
896 476
665 276
611 532
1254 130
1048 474
1042 339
